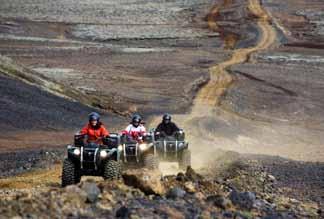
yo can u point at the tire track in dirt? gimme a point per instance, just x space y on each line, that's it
220 79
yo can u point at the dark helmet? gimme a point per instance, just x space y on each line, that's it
94 116
166 118
136 120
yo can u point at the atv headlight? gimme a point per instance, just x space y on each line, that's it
143 147
77 152
120 147
181 145
103 154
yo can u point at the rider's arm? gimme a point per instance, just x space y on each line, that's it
143 129
175 128
104 131
158 128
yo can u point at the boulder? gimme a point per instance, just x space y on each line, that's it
147 181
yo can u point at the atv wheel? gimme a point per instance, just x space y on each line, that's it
70 174
185 159
151 161
112 170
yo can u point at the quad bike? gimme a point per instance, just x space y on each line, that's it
139 151
100 158
173 148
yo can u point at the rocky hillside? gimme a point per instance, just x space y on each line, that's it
39 112
238 188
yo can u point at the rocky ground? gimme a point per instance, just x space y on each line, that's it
64 59
237 188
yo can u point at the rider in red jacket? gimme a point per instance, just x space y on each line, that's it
95 130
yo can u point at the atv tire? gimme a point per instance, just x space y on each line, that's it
112 170
70 173
185 159
151 161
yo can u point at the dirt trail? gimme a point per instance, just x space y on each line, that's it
220 79
208 98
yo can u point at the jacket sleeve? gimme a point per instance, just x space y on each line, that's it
84 130
175 127
143 130
128 129
104 131
159 128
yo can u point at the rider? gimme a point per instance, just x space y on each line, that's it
95 130
166 126
135 129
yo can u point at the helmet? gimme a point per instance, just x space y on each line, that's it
136 120
166 118
94 116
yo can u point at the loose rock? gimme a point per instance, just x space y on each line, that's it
147 181
91 190
175 193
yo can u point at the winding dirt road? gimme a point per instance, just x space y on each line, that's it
220 78
208 98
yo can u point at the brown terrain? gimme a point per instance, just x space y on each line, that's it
238 75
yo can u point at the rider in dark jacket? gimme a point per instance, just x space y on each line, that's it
166 126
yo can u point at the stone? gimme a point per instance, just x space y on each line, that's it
181 177
271 178
175 193
123 212
74 192
200 196
148 181
220 201
91 190
192 175
244 200
190 187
